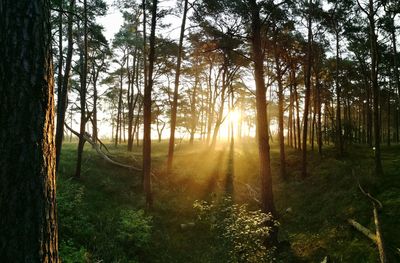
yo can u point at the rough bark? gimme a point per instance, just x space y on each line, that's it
28 223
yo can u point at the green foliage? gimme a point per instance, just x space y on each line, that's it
240 232
70 253
134 228
72 222
97 221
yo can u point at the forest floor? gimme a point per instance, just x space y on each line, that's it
312 213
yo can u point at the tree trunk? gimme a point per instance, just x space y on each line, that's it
267 199
175 99
119 112
63 93
28 221
193 110
375 88
147 112
95 77
307 95
131 103
396 76
296 97
82 92
281 98
339 138
319 119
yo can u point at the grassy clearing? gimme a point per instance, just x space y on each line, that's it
312 212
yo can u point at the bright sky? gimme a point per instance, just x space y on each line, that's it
112 21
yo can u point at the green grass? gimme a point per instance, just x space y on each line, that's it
315 227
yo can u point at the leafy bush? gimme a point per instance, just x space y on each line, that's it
134 228
73 221
240 232
69 252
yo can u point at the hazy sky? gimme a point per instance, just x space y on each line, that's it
112 21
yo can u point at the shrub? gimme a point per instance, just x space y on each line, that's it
134 228
69 252
74 223
240 232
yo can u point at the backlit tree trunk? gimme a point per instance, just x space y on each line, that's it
267 198
307 95
175 99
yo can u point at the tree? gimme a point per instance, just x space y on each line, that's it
267 199
336 17
171 145
28 223
83 90
147 111
370 12
279 24
63 89
307 83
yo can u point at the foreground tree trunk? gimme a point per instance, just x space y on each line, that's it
28 223
267 199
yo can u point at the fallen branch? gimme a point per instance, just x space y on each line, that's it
87 138
371 198
377 238
362 229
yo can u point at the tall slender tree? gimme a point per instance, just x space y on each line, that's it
171 145
307 83
82 91
147 111
63 89
370 11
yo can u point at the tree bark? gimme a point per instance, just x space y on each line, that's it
375 88
82 92
281 98
339 137
307 95
63 93
267 199
147 112
193 110
175 99
28 221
